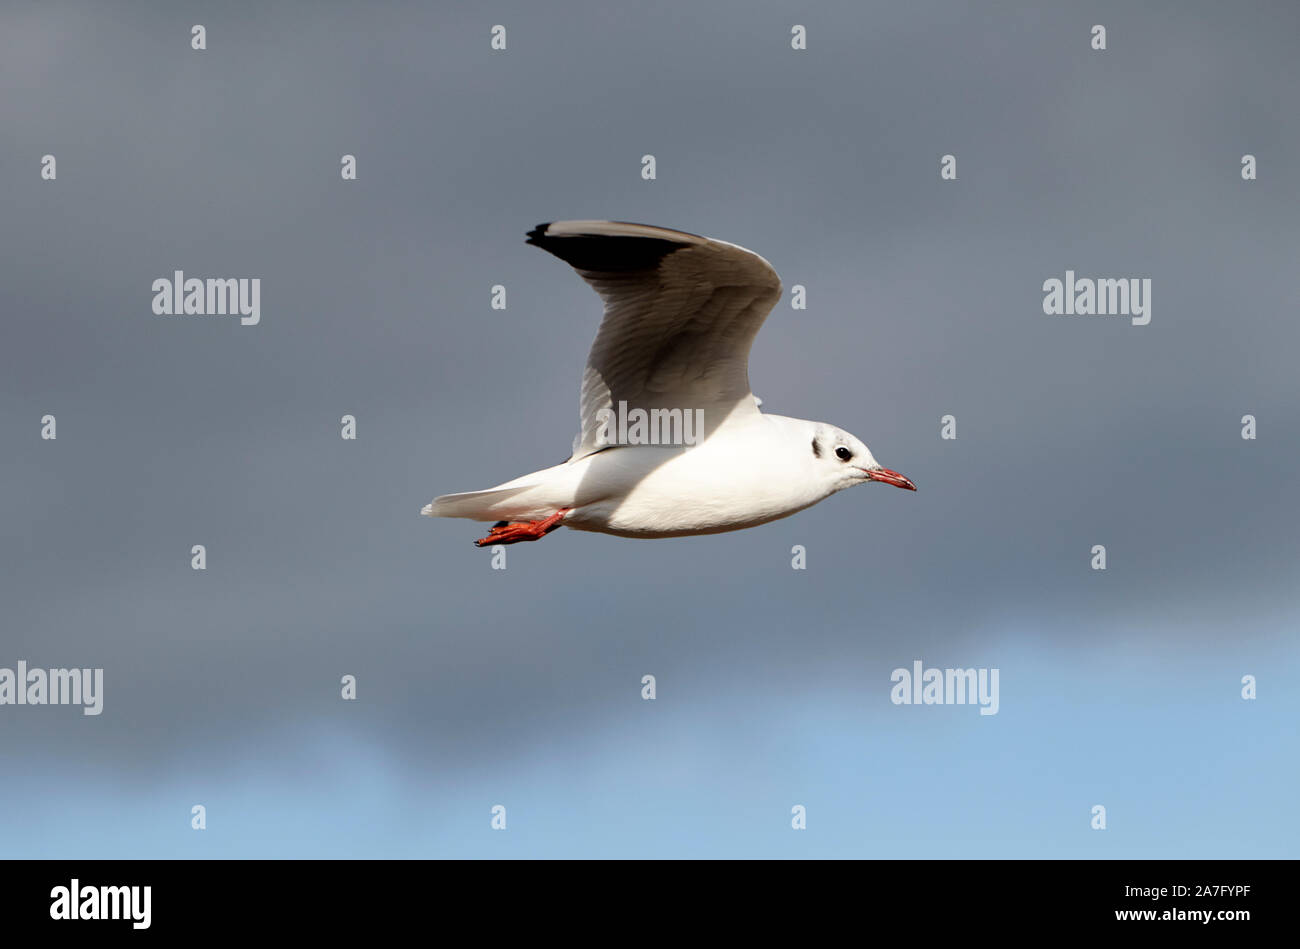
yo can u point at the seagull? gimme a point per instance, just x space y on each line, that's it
681 313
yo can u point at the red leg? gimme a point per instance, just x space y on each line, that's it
518 531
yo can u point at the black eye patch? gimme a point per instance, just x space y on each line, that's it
817 449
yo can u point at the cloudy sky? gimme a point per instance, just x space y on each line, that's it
522 687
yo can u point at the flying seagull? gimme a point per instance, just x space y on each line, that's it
681 312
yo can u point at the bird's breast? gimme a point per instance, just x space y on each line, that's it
706 489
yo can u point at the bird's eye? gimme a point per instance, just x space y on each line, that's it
843 454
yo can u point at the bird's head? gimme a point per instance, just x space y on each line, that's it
845 460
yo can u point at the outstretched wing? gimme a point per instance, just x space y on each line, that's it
681 312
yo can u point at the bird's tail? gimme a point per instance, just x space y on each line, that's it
486 505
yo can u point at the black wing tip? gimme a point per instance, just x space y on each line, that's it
604 253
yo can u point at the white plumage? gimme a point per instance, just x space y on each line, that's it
681 313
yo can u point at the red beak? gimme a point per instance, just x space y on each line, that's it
890 477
